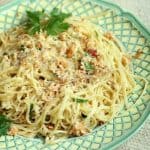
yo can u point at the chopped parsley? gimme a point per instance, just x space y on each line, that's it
88 66
5 124
86 53
80 100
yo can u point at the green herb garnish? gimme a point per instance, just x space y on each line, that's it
5 124
53 24
80 100
86 53
88 66
33 23
56 22
96 34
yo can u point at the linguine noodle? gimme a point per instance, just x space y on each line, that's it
64 85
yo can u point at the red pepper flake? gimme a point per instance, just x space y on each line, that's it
92 52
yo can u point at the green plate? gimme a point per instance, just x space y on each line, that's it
133 35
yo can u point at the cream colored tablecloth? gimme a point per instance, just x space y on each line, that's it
140 8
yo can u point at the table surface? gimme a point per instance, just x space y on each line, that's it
141 9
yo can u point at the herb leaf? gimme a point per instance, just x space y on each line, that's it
57 13
33 21
56 27
5 124
53 24
34 16
88 66
80 100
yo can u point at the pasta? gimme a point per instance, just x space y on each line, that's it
64 85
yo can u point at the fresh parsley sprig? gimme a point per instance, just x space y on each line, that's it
32 24
56 22
53 24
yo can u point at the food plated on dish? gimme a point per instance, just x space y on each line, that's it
61 76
